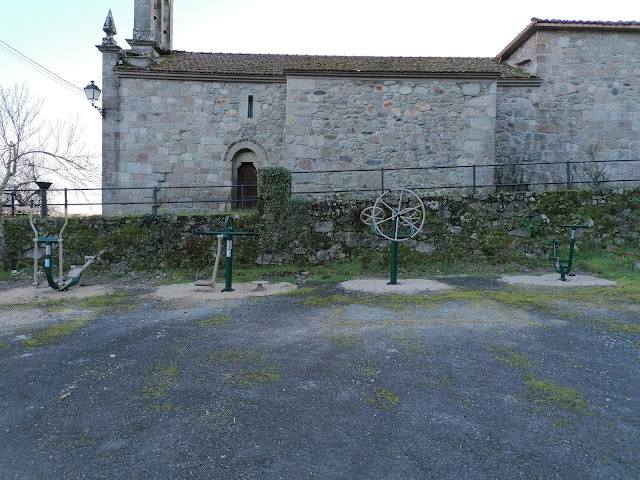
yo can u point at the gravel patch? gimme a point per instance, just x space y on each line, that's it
28 294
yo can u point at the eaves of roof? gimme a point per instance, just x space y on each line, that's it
539 24
276 68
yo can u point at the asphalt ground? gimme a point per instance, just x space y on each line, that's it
479 381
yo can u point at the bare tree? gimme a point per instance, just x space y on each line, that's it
32 150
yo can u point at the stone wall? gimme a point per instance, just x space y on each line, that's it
495 228
340 124
585 109
185 133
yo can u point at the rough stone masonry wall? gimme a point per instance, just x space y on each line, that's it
340 124
179 133
493 228
589 99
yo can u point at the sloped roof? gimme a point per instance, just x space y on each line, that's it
538 24
281 65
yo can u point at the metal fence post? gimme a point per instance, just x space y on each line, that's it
12 199
242 200
382 179
154 208
474 179
568 174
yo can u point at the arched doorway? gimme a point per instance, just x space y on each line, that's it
246 179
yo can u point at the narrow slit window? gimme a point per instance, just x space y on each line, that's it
250 107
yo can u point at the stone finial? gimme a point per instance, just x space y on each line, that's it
109 28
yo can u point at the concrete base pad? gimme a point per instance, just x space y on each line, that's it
189 291
553 280
405 287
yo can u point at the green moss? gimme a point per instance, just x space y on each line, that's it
369 370
625 327
160 379
382 399
215 321
508 356
54 333
560 422
410 346
552 394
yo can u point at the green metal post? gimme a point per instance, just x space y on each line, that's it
394 264
394 255
228 266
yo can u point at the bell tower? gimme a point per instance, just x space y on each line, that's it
152 27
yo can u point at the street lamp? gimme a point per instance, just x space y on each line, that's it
93 95
44 208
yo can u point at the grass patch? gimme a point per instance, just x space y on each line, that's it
382 399
5 275
614 265
215 321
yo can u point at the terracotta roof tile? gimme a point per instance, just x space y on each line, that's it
586 22
270 64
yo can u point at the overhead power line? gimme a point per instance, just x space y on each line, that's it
39 68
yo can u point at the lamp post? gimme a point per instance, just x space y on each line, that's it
93 95
44 209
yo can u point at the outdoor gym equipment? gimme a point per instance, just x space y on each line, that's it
227 235
64 281
563 267
396 215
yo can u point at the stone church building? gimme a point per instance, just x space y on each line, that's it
182 121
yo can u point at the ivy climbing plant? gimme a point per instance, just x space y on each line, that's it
283 218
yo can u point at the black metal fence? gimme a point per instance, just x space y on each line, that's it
530 176
505 177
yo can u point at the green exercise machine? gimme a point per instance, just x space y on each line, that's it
227 235
396 215
563 267
63 282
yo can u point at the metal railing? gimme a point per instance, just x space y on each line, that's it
571 177
544 176
58 200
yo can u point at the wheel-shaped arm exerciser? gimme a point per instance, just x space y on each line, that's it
397 215
369 214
